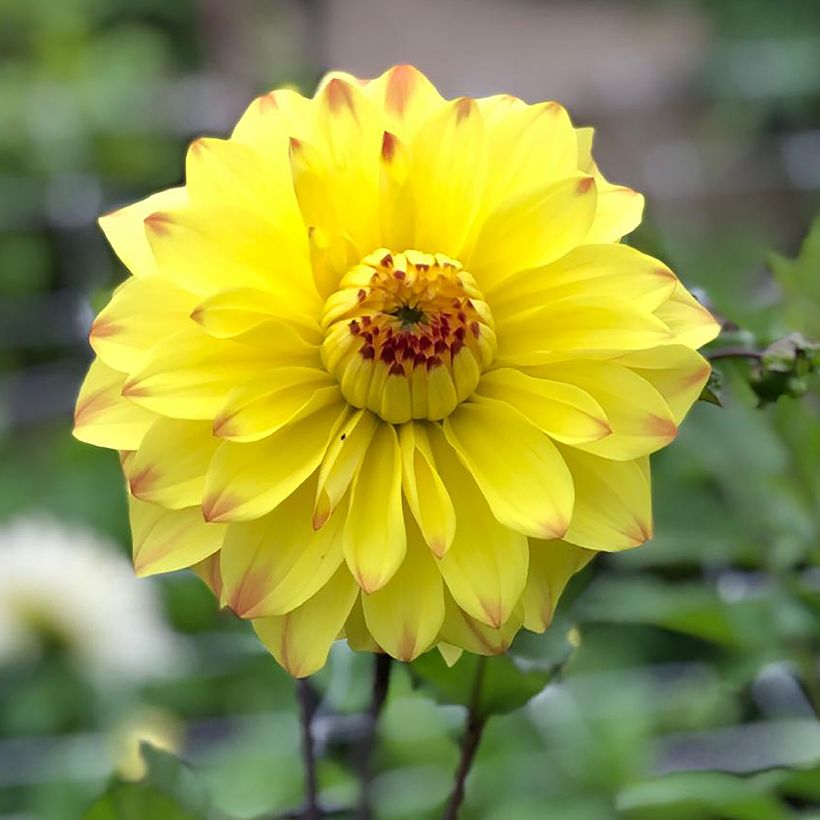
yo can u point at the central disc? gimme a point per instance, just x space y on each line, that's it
407 335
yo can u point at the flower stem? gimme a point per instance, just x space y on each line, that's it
382 666
733 353
469 744
307 709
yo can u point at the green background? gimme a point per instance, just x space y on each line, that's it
696 687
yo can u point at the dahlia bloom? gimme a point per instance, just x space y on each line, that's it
383 371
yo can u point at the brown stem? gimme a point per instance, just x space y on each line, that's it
469 744
733 353
382 666
307 709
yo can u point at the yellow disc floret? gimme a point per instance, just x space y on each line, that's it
407 335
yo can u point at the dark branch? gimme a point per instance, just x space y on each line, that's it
307 709
733 353
469 744
382 666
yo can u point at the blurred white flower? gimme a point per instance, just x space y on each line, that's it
66 584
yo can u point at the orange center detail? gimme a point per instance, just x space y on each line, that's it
407 335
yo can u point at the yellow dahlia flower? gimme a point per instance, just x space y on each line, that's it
383 371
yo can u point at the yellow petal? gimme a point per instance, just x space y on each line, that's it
532 228
530 146
525 482
405 615
332 250
272 119
208 571
274 564
640 420
450 654
552 564
301 640
168 540
590 270
459 629
485 568
397 205
257 181
619 212
570 327
678 373
170 466
374 535
344 455
202 251
563 411
619 208
125 231
191 374
358 637
613 504
350 128
408 98
103 417
235 311
246 481
447 173
585 137
424 490
141 313
280 396
690 323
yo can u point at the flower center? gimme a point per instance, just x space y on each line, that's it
407 335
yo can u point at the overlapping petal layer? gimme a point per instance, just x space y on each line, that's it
383 371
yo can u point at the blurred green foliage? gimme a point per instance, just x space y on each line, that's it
695 690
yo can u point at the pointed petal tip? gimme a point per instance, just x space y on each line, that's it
102 328
217 507
141 482
268 102
407 650
320 518
133 389
494 613
222 426
465 108
389 143
663 427
584 185
339 95
554 529
158 223
400 88
438 546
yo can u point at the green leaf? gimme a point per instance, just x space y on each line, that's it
172 776
699 796
801 284
711 390
137 801
494 685
168 791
